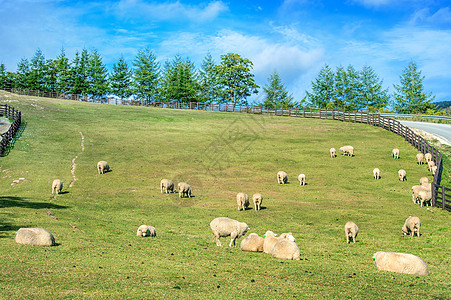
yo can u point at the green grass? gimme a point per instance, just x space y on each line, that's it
219 154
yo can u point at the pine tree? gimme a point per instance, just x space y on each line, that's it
372 97
50 76
37 71
78 73
121 79
146 73
62 73
23 74
323 88
347 88
276 93
97 75
209 89
5 81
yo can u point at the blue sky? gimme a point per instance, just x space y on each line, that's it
293 37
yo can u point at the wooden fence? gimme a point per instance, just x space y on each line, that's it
7 137
441 195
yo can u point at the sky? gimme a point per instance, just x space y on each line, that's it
294 38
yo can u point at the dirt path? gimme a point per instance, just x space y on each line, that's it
74 164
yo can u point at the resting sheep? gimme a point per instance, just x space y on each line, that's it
271 239
419 157
424 180
102 167
430 165
184 189
35 237
412 226
395 153
402 175
146 230
57 186
282 177
347 150
167 186
425 196
351 231
253 243
301 179
257 198
400 263
223 227
242 200
376 173
333 152
428 157
286 249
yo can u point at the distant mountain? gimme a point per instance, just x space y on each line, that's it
443 104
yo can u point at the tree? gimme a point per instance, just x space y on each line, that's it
97 75
23 74
50 76
145 75
372 97
347 88
209 89
37 71
79 73
63 76
409 96
121 79
323 91
5 79
276 93
235 80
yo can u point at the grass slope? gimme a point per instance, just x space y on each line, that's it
219 154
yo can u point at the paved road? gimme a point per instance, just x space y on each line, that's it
442 130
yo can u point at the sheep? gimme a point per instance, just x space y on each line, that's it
223 227
351 231
167 186
425 196
184 189
333 152
301 179
417 188
434 170
282 177
412 226
419 157
347 150
102 167
402 175
252 243
424 180
146 230
257 198
35 237
400 263
271 239
376 173
286 249
430 165
428 157
57 186
395 153
242 200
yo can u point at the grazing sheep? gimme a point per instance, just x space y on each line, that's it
301 179
282 177
57 186
430 165
102 167
428 157
184 189
351 231
425 196
402 175
417 188
252 243
167 186
223 227
412 226
333 152
419 157
434 170
395 153
347 150
286 249
400 263
242 200
376 173
257 198
35 237
424 180
146 230
271 239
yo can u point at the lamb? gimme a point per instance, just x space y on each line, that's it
400 263
282 177
167 186
395 153
286 249
35 237
184 189
419 157
271 239
412 226
402 175
347 150
428 157
223 227
424 180
376 173
434 170
102 167
252 243
351 231
146 230
301 179
57 186
425 196
333 152
242 200
257 198
430 165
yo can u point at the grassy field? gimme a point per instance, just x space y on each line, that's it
94 221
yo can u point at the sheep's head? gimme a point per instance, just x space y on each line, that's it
143 230
269 234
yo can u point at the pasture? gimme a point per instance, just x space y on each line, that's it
219 154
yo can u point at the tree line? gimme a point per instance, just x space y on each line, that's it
231 81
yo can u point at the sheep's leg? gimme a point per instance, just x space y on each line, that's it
233 236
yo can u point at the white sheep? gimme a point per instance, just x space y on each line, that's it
167 186
146 230
412 226
351 231
222 227
253 243
184 189
242 200
428 157
419 158
347 150
430 165
402 175
271 239
333 152
286 249
257 198
102 167
424 180
434 170
282 177
395 153
400 263
57 186
425 196
417 188
376 173
301 179
35 237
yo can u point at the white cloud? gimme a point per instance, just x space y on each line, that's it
375 3
424 16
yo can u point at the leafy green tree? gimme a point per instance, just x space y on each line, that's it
146 73
209 89
23 74
372 96
323 88
97 75
121 79
276 93
235 79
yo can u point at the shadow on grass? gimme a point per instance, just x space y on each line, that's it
18 134
6 226
10 201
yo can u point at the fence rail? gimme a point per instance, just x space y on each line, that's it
7 137
441 195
